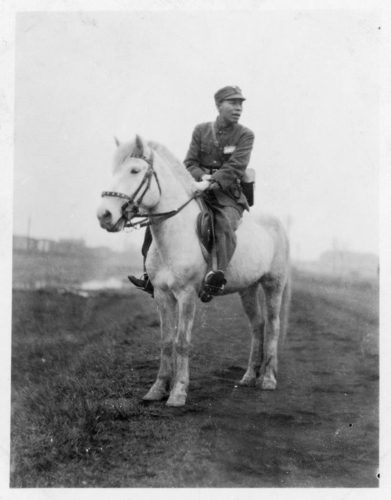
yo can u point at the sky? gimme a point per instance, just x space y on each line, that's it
311 79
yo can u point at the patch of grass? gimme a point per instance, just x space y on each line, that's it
81 366
71 386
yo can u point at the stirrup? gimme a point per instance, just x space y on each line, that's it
214 283
143 283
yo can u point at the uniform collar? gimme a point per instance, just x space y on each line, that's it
219 124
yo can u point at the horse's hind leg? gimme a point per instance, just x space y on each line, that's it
273 287
251 307
167 311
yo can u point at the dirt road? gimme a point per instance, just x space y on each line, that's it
81 366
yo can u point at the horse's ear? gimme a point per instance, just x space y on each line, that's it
139 145
117 142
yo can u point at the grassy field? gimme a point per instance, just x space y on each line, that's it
80 366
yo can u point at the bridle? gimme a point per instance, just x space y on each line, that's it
130 209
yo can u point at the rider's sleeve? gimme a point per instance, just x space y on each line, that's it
193 155
237 163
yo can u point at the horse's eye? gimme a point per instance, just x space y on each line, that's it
135 170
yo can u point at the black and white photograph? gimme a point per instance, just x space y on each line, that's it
192 233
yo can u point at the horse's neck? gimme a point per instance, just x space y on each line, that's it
173 193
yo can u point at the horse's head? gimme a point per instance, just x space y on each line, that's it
134 185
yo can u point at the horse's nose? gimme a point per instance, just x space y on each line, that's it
104 216
107 216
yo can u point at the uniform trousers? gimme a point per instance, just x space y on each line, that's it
226 221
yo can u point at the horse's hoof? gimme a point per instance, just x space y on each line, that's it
248 381
178 400
268 384
155 395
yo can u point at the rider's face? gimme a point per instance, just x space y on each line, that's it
230 110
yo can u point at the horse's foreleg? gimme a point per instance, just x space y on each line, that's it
273 298
251 307
186 312
167 307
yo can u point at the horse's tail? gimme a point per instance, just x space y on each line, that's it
285 306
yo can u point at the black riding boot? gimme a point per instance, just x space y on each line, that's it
214 283
142 283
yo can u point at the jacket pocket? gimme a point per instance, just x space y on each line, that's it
206 155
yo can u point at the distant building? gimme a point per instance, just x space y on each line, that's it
46 246
24 243
20 242
344 263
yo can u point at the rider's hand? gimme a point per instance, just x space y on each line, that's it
206 177
202 185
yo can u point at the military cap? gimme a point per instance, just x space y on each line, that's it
230 92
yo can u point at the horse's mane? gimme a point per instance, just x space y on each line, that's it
181 171
128 148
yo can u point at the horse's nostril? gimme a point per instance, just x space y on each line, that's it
106 215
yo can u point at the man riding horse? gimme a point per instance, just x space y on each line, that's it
217 158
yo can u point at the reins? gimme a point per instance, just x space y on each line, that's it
129 212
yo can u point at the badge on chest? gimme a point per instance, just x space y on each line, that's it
228 150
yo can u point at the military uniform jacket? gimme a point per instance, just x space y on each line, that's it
226 159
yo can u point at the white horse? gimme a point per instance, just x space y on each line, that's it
152 180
